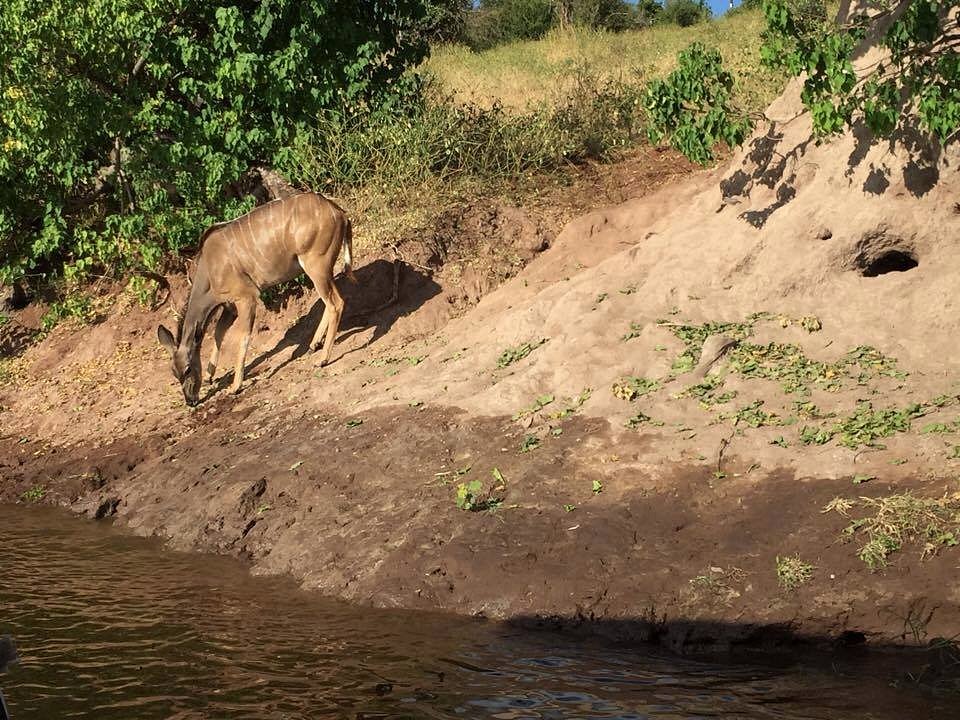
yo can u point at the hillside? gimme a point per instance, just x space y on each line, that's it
523 73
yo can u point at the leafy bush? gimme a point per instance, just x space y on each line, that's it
481 30
502 21
524 19
684 12
75 306
123 124
445 20
435 137
646 12
692 108
614 15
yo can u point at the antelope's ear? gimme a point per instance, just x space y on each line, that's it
166 339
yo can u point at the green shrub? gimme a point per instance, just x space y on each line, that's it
438 138
646 12
614 15
501 21
497 22
684 12
692 107
481 30
445 20
124 124
523 19
72 307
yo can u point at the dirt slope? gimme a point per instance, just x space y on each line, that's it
636 486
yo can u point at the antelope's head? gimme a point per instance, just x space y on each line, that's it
185 356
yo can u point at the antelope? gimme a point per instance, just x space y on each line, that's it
269 245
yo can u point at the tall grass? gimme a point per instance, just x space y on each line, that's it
511 113
393 172
439 137
522 74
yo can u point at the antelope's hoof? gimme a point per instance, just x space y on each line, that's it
235 388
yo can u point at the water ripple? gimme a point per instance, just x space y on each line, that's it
113 627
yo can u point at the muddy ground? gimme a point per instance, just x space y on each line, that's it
660 512
367 512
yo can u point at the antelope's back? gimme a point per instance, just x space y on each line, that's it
264 244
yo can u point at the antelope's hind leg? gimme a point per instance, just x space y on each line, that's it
227 315
246 314
320 272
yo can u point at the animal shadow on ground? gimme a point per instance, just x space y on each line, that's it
367 304
14 337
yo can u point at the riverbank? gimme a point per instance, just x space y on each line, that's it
366 511
722 413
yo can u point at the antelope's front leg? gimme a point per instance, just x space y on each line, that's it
246 313
227 316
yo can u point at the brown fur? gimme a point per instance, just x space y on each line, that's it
238 259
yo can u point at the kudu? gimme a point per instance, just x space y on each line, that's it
238 259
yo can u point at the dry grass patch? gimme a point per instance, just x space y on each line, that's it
792 572
520 74
895 520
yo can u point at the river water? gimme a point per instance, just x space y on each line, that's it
111 626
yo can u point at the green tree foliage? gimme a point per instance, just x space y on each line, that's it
122 123
918 79
445 20
646 12
518 19
692 107
497 22
684 12
914 80
615 15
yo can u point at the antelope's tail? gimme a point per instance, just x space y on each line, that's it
348 250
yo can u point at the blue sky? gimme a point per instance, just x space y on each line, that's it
717 6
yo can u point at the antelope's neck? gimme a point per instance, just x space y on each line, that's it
200 307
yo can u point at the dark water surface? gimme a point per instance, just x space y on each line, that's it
110 626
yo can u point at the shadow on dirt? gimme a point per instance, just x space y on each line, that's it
14 337
769 165
365 301
921 173
764 165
